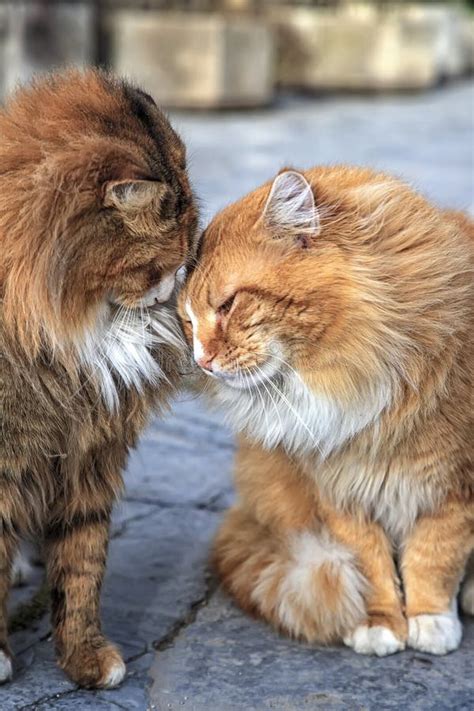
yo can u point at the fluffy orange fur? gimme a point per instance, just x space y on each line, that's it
333 309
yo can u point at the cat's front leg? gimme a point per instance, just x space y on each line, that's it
433 564
384 631
76 547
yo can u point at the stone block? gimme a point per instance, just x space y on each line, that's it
365 47
38 37
192 60
448 26
228 661
468 35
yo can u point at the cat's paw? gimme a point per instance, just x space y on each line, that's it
435 634
374 640
467 596
96 668
6 668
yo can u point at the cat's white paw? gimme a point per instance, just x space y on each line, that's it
467 596
115 675
21 570
435 634
6 669
374 640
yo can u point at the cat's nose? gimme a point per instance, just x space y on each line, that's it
205 362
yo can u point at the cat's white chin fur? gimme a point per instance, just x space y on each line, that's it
291 414
6 668
22 570
122 345
435 634
160 293
376 640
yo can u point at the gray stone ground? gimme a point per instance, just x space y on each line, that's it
187 647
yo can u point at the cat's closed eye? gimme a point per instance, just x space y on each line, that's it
226 306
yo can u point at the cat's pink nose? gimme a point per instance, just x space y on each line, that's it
205 361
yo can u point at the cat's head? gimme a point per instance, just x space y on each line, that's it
96 210
330 279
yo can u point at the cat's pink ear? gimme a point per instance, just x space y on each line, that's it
290 208
133 195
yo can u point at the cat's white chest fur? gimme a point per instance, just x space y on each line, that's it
313 426
395 499
302 421
121 349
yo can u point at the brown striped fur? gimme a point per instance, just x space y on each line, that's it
357 455
95 206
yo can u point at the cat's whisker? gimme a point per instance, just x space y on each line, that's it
294 411
262 399
272 400
269 354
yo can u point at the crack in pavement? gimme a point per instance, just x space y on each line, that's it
33 609
36 705
209 505
138 655
123 525
29 646
189 617
40 610
45 699
166 641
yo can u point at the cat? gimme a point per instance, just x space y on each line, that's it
96 218
332 309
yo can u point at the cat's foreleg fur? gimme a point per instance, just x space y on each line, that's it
76 550
433 562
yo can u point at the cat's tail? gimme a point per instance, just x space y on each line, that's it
305 584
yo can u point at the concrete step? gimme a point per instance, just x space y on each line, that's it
193 60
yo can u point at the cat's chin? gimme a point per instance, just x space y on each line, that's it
153 299
236 382
249 379
142 306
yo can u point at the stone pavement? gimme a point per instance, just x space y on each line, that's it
187 647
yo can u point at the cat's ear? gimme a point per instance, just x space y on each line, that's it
132 195
290 209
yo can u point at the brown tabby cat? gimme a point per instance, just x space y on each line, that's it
96 217
333 308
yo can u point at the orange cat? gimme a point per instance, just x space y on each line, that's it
333 308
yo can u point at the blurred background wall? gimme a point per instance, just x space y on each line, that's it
239 53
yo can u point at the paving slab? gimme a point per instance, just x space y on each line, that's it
253 668
186 645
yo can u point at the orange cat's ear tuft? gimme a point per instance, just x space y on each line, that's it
133 195
290 209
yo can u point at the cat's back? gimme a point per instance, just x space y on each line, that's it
464 224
